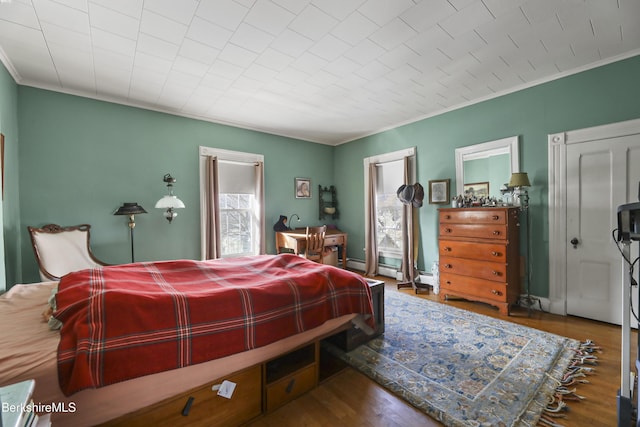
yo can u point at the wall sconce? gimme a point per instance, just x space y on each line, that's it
130 209
169 202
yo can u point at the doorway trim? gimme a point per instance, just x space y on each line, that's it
557 164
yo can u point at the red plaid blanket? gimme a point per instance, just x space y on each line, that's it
127 321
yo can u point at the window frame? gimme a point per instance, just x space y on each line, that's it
223 156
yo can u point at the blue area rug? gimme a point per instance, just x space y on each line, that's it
462 368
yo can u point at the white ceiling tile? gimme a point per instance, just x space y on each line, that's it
294 6
383 11
292 76
162 28
260 73
65 37
502 7
339 9
329 48
62 16
226 70
208 33
19 13
152 63
251 38
237 55
190 67
107 61
114 22
342 66
181 11
269 17
365 52
113 42
274 60
427 14
225 13
131 8
322 79
466 19
197 51
81 5
426 42
313 23
393 33
309 63
355 28
373 70
291 43
156 47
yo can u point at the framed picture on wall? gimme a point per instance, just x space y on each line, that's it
303 188
476 189
439 191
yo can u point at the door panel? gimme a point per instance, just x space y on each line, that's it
600 177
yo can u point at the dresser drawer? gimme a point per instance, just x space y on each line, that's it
479 231
288 388
477 216
474 287
333 240
493 271
481 251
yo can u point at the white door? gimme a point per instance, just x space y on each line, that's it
601 175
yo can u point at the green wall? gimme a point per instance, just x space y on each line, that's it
603 95
80 159
9 204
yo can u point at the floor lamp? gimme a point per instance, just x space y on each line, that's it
519 182
130 209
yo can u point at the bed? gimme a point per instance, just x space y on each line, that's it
29 349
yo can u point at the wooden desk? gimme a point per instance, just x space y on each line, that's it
296 240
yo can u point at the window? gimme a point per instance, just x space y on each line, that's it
389 211
241 228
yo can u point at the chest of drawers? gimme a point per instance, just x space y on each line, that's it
480 255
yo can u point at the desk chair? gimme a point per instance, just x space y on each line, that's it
61 250
314 249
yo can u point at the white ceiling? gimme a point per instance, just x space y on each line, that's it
327 71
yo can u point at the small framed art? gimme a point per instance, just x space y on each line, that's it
439 191
303 188
476 189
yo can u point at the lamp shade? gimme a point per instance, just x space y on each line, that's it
169 201
130 209
519 179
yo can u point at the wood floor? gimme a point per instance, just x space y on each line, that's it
348 398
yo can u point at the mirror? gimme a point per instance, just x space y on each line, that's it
486 167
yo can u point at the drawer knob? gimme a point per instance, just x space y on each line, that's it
496 233
446 249
496 273
447 230
494 253
447 217
448 266
448 282
495 217
496 292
